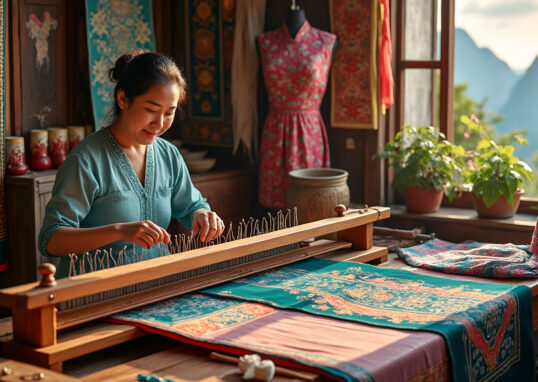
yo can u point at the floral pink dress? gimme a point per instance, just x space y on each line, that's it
296 72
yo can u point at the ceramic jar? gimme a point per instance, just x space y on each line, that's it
316 192
16 161
75 134
57 145
39 150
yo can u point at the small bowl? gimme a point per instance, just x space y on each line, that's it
197 166
192 155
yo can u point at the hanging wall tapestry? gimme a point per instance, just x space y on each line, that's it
3 235
354 71
209 36
114 27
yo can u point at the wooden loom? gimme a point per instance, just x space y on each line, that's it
45 337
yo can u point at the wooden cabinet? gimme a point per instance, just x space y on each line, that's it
230 193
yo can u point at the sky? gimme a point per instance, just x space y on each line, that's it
508 27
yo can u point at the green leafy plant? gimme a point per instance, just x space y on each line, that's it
493 169
422 157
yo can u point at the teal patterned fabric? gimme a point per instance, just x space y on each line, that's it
114 27
487 327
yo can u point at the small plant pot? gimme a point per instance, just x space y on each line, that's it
501 209
422 200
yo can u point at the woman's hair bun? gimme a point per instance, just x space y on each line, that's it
117 71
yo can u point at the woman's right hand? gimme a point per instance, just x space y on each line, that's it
144 233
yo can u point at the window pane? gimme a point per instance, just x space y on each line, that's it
419 93
419 33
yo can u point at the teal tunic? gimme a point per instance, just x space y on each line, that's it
97 185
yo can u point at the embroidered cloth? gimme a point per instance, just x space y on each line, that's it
487 327
296 72
349 350
354 77
473 258
114 27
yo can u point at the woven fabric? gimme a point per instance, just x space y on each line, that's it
473 258
487 327
349 350
114 27
354 77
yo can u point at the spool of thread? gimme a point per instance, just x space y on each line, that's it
75 134
15 158
57 145
39 150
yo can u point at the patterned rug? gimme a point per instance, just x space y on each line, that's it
3 234
114 27
487 327
473 258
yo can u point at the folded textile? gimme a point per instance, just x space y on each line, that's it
487 326
534 240
348 350
473 258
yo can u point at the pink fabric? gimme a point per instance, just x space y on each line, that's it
296 72
388 354
385 58
534 240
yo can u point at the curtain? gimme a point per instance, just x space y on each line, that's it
249 21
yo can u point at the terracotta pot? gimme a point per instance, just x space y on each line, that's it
57 145
501 209
316 191
423 200
16 161
39 149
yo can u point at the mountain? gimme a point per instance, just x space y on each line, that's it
521 110
485 74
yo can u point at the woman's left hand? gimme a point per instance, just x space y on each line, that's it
207 224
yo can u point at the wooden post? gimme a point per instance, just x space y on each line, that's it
36 327
360 237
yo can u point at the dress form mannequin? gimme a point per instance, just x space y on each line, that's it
295 61
295 19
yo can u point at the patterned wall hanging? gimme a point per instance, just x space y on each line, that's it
354 71
209 36
3 235
114 27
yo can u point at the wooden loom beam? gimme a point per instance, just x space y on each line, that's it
34 309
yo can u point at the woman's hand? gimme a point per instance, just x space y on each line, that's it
144 233
207 224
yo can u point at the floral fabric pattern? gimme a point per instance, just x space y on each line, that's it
487 327
295 72
114 27
473 258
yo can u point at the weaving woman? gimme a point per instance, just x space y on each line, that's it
120 187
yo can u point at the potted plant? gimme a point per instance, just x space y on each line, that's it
425 165
496 175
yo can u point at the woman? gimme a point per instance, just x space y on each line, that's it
123 184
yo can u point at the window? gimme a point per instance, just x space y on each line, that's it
424 42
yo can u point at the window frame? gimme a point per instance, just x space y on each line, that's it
445 65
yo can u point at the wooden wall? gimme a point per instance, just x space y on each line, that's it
350 149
